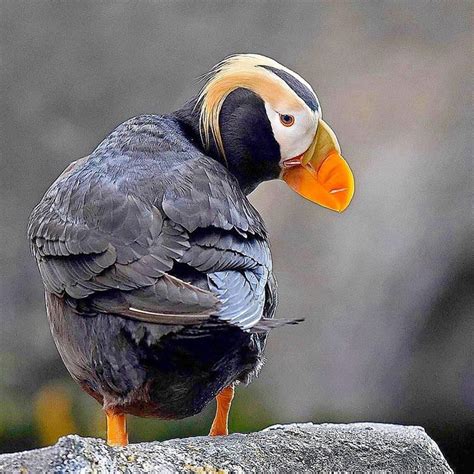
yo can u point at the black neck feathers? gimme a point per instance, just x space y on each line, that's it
252 154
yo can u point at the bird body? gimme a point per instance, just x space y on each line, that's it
185 213
157 269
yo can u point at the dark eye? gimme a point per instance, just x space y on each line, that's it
287 120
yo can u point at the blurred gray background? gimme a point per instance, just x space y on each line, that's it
386 288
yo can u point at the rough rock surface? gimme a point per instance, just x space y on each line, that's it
295 448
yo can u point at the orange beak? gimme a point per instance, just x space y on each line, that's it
321 174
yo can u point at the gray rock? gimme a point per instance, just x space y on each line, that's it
295 448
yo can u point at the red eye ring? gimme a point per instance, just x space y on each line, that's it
287 120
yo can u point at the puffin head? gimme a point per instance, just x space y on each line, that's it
264 122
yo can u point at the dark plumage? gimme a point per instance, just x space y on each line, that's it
157 269
148 223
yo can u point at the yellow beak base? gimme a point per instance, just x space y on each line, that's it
323 176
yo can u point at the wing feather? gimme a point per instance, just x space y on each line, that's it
97 244
109 244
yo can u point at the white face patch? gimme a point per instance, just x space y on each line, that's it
295 139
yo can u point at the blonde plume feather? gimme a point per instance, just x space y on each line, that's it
239 71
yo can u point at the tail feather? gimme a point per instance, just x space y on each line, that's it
265 324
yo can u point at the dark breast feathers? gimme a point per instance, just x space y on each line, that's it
149 231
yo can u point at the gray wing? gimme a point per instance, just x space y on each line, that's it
111 250
93 242
237 269
228 240
204 194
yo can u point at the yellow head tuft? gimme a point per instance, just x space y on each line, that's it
241 71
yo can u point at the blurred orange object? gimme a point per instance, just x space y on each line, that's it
53 413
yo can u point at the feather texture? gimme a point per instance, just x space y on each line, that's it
164 237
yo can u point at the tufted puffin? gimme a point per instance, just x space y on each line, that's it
157 269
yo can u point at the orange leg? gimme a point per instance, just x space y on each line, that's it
116 429
224 400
